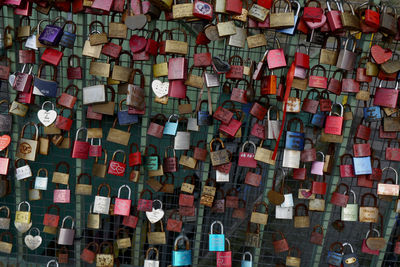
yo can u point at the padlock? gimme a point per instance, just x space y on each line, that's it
117 168
216 241
182 257
124 115
34 194
174 225
295 140
249 262
279 245
66 235
385 189
315 81
81 188
240 95
74 72
316 237
334 124
372 17
380 241
317 167
151 263
51 34
319 187
340 199
350 211
293 104
292 30
155 128
105 257
350 85
50 221
335 255
6 247
362 165
369 213
123 206
95 94
334 17
311 105
61 177
246 159
89 255
156 237
386 97
350 20
171 127
61 195
80 149
223 114
93 219
327 56
99 169
95 150
346 170
23 216
301 221
281 20
269 85
68 38
22 172
302 62
102 203
135 158
145 204
346 59
273 126
292 260
27 148
252 237
276 56
4 163
5 221
224 258
220 156
350 259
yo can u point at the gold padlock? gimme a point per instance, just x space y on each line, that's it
8 39
6 247
24 31
61 177
97 37
98 169
125 241
27 148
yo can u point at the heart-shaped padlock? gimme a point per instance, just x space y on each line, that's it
156 214
137 43
316 25
159 88
47 117
136 22
4 141
22 227
380 55
33 242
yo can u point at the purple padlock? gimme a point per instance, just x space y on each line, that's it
317 167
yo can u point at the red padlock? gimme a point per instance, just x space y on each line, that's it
233 126
334 124
201 59
66 100
310 154
88 255
112 50
95 150
26 56
269 84
346 170
52 220
74 73
313 14
372 17
300 173
363 181
202 10
276 57
186 200
145 204
334 17
234 7
317 238
117 168
62 122
199 152
350 85
363 132
386 97
376 171
131 220
80 149
170 163
361 150
361 75
311 105
239 95
23 81
325 104
177 68
177 89
302 59
339 199
174 225
280 245
236 71
52 56
222 114
155 129
152 45
335 85
392 153
246 159
258 130
319 188
318 81
224 258
252 178
259 109
135 158
122 205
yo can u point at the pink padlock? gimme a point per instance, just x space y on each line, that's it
177 88
123 206
246 159
276 57
177 68
95 150
317 167
62 195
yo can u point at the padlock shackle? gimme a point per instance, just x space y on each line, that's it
101 186
218 140
63 163
43 169
127 187
149 250
391 168
186 240
95 245
36 229
277 112
313 91
84 174
77 133
24 202
52 261
7 209
144 191
274 235
373 197
119 151
374 230
53 206
299 121
212 226
36 136
348 244
72 221
301 205
105 156
345 186
249 143
334 244
154 148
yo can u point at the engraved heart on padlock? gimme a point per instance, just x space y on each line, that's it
155 215
11 79
306 194
22 227
47 117
136 22
33 242
316 25
160 89
380 55
203 8
5 140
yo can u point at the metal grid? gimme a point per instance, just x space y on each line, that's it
196 229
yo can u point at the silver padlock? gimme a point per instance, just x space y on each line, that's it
288 202
238 39
5 221
192 125
101 203
291 158
66 235
273 126
347 58
221 177
182 141
94 94
283 213
211 79
151 263
41 181
22 172
350 212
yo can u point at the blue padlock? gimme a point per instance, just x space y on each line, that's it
151 161
124 118
171 127
68 38
182 257
335 256
216 242
362 165
350 259
291 31
372 113
51 35
295 140
318 119
247 263
204 118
